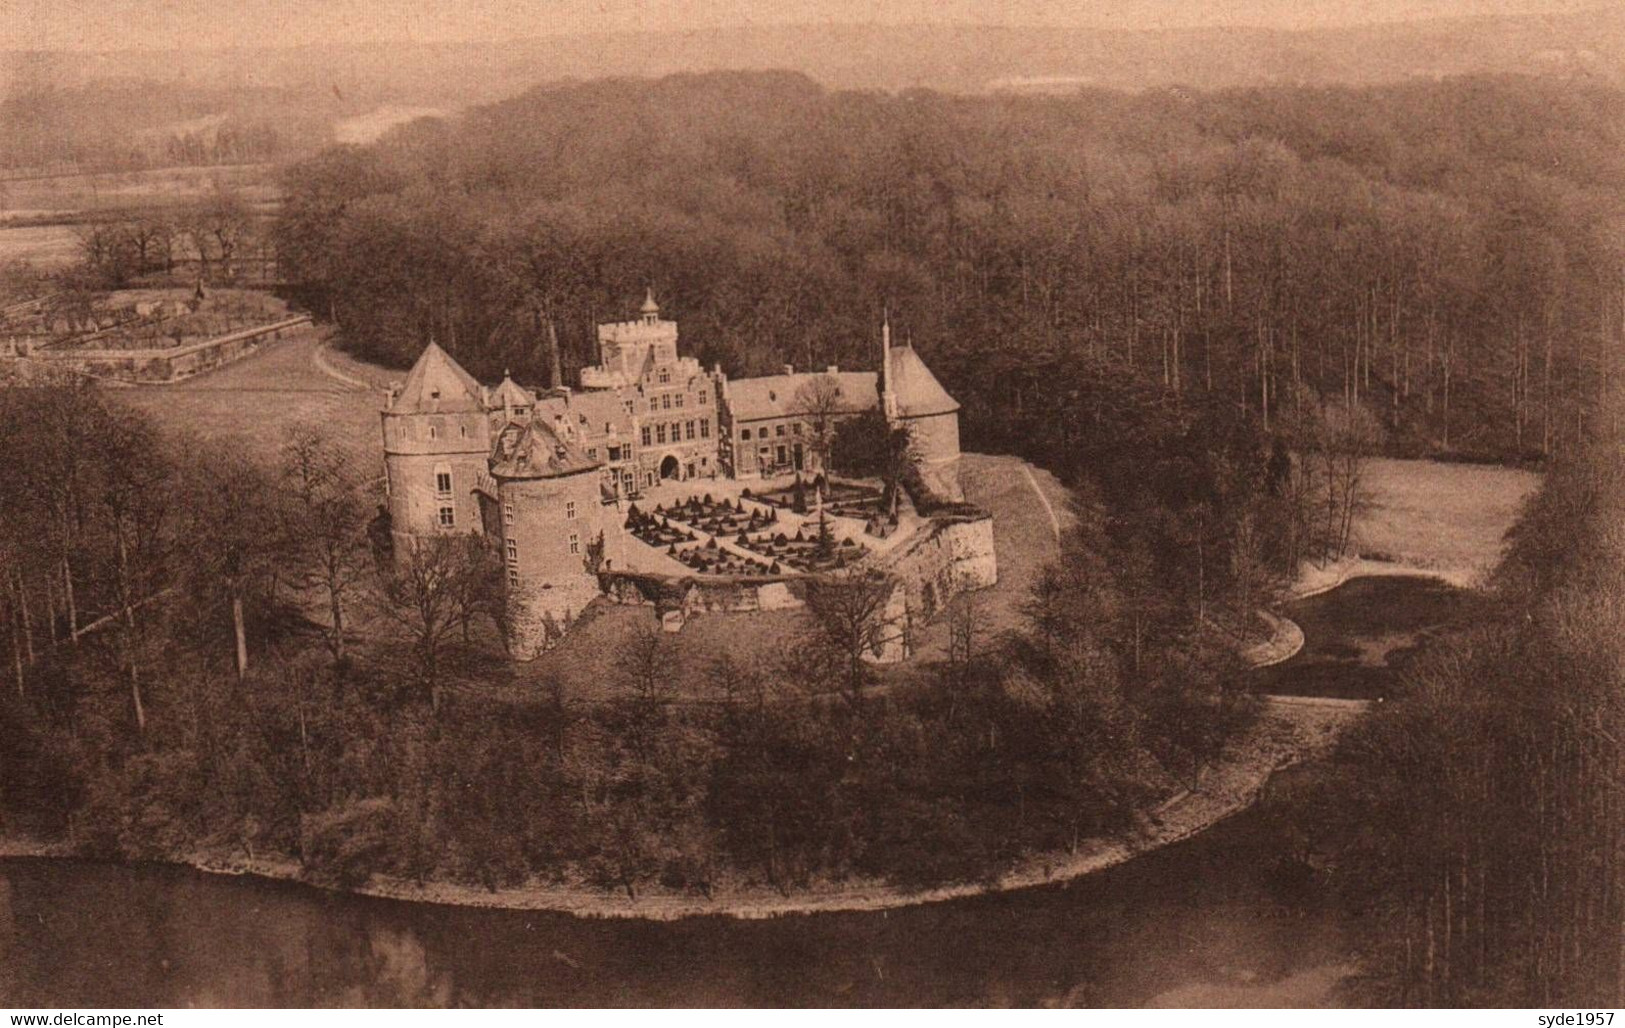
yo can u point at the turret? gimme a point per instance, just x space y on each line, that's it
888 398
553 520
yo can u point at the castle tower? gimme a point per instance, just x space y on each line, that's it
912 396
553 521
436 441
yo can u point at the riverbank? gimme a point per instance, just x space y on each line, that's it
1283 736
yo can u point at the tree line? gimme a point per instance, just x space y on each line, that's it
1477 821
217 238
1446 254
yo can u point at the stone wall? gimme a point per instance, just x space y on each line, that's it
950 555
164 365
953 554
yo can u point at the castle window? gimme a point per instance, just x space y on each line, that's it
664 376
570 510
702 397
679 400
614 453
442 480
629 406
688 430
646 435
513 578
660 432
778 429
575 543
744 434
434 431
665 401
448 517
513 551
507 516
676 431
796 428
462 431
705 429
592 453
761 433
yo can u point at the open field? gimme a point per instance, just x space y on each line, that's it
1442 517
255 401
32 197
40 215
43 246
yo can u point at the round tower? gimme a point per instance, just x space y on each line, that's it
911 395
436 445
553 530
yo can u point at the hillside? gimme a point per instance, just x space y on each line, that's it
856 56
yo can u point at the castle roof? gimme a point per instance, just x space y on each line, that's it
438 385
588 411
510 394
918 392
536 450
649 305
775 396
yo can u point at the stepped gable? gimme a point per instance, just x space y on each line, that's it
438 385
919 394
535 450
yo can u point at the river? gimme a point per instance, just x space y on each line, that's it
1210 921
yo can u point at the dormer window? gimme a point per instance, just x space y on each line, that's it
434 394
664 377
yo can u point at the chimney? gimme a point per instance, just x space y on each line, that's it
833 369
789 369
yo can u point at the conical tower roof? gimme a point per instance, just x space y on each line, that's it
918 392
438 385
536 451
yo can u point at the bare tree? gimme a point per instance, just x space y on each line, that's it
427 593
324 520
853 622
232 534
818 403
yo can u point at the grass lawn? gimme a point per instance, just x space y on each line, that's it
253 403
46 247
1442 516
1023 537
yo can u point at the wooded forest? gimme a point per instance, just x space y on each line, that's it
1449 255
1477 820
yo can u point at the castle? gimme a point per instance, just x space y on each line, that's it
551 475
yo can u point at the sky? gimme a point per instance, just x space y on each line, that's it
95 25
